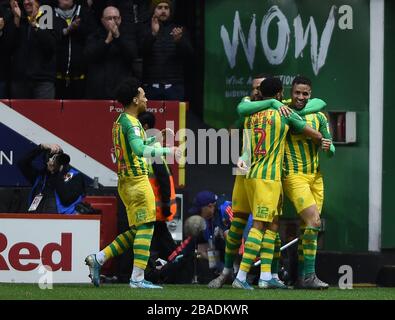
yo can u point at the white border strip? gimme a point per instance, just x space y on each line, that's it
38 134
376 89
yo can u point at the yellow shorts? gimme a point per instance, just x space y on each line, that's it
304 190
264 197
239 196
139 199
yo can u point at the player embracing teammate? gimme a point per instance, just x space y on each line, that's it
271 150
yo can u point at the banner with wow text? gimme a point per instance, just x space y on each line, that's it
325 40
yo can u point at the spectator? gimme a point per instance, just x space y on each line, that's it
57 188
180 265
5 45
110 51
34 61
162 183
165 47
75 22
129 9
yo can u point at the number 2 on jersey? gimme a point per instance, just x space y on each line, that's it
258 148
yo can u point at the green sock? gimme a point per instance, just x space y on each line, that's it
251 249
142 244
267 251
277 254
121 243
300 256
233 240
309 244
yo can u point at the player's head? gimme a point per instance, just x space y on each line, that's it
161 9
256 82
147 120
204 204
131 95
300 92
272 88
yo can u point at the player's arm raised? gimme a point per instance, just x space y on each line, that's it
300 126
247 107
313 106
327 144
141 149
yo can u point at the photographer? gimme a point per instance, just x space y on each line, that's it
202 252
57 188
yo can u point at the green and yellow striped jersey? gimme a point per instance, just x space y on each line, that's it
301 153
125 129
267 130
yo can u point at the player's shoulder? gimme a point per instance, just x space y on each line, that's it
322 115
130 121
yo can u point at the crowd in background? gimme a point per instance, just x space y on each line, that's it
92 46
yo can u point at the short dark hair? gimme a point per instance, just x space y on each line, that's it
147 118
301 80
63 159
128 90
270 87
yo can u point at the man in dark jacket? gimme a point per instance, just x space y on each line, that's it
34 60
57 188
5 45
110 52
75 24
165 47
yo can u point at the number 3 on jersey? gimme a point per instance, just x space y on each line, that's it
262 136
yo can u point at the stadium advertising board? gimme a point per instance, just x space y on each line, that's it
315 38
40 248
81 128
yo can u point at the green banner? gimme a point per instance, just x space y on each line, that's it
327 41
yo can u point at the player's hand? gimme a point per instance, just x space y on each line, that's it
177 34
167 132
326 144
1 23
177 153
167 135
155 25
285 111
241 164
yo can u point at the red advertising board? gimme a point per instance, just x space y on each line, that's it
85 125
